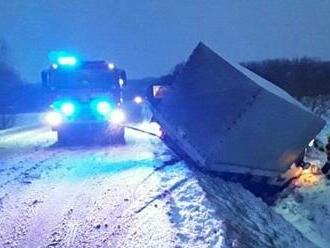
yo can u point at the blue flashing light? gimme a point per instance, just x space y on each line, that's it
103 107
67 60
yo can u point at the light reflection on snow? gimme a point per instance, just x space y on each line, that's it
309 177
151 127
109 169
27 138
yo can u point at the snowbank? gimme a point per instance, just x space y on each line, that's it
208 210
28 119
24 121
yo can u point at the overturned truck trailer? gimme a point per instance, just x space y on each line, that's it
227 119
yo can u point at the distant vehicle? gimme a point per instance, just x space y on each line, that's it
86 100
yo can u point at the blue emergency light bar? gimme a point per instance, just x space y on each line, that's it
67 60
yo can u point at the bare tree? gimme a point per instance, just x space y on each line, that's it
299 77
9 79
318 105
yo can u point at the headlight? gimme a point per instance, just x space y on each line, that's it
138 100
103 108
111 66
67 108
118 116
54 118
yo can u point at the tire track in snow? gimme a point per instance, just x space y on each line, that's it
93 199
111 210
20 212
27 214
43 189
90 189
19 160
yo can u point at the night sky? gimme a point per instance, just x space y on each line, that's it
147 37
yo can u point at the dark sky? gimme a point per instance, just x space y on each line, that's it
148 37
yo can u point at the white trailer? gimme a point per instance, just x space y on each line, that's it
227 119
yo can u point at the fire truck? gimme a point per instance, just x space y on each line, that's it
86 100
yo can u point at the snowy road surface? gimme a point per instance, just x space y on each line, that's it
134 195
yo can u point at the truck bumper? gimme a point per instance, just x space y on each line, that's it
89 132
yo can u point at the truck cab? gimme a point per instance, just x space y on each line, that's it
86 100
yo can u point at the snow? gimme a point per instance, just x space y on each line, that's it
305 203
134 195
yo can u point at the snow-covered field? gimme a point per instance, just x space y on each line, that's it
134 195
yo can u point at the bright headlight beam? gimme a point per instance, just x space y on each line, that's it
54 118
111 66
67 108
138 99
118 116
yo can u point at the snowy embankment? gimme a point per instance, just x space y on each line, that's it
306 203
24 122
135 195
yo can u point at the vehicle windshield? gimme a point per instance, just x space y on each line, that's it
83 78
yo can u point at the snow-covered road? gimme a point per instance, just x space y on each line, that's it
135 195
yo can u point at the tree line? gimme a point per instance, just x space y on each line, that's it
9 77
299 77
